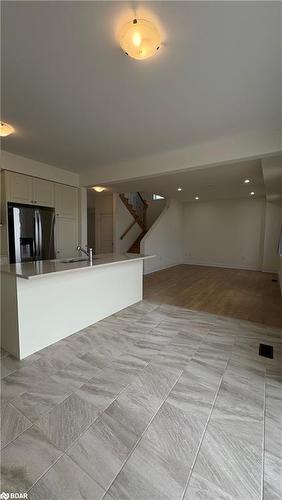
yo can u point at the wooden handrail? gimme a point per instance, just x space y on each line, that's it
128 229
142 199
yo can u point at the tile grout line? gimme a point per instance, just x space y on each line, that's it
123 390
148 425
64 453
149 362
31 424
206 426
11 402
138 441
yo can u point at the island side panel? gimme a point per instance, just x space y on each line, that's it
9 315
54 306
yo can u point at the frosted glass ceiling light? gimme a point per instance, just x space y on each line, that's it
99 189
6 129
140 39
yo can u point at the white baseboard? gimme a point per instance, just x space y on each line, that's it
161 268
220 264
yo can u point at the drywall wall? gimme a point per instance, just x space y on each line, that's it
165 239
273 225
242 146
122 220
27 166
225 233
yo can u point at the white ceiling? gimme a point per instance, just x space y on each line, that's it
78 102
213 183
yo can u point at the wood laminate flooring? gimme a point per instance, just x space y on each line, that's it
247 295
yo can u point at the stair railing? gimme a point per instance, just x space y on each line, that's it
138 204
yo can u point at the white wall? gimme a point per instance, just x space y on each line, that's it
165 239
243 146
225 233
273 223
122 220
27 166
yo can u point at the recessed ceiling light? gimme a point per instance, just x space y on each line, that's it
140 39
6 129
197 198
252 193
99 189
179 189
246 181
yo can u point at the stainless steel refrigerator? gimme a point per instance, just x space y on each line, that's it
31 232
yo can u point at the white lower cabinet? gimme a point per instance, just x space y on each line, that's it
66 237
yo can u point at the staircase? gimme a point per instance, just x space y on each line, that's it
135 247
137 207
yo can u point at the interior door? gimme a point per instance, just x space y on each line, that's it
106 233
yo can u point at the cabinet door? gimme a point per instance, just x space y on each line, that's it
19 188
43 192
66 201
66 237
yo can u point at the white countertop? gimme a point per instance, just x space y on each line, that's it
30 270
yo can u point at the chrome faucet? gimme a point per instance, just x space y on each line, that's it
89 253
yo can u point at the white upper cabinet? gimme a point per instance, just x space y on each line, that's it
24 189
43 192
66 201
19 188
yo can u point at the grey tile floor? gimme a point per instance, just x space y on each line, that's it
154 403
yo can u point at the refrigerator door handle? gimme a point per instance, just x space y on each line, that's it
39 235
35 239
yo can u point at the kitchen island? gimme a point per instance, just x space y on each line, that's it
45 301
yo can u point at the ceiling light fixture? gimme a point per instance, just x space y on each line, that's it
99 189
179 189
252 193
140 39
6 129
246 181
197 198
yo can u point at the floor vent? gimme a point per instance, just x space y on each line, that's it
266 351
